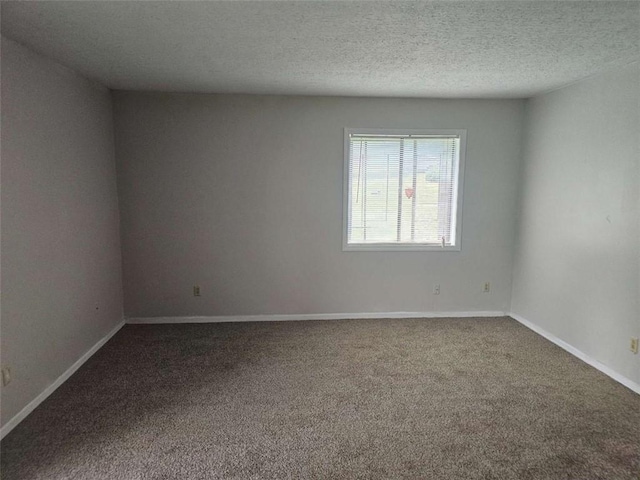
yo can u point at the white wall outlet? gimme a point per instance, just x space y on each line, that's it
634 345
486 287
196 290
436 289
6 376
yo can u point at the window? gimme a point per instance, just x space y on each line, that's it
403 189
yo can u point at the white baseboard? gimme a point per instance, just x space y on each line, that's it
577 353
22 414
309 316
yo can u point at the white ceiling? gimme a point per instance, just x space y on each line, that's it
374 48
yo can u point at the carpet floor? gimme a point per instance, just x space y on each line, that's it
354 399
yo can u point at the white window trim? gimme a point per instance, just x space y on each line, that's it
399 247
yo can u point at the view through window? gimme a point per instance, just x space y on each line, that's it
402 189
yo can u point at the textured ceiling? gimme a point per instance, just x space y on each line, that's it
388 48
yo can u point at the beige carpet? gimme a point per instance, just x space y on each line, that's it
358 399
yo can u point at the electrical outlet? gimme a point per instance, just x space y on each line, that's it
634 345
6 376
196 290
487 287
436 289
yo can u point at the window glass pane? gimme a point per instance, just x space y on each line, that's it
401 189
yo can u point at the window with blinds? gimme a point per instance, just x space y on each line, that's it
403 189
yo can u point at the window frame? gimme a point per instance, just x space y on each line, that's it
407 247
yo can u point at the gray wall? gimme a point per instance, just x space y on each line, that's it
61 275
576 271
243 196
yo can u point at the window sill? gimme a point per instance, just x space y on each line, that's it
390 247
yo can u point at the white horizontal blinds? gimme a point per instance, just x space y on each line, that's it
401 189
374 178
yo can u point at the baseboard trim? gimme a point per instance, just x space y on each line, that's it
578 353
31 406
310 316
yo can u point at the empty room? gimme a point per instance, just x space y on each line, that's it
320 239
